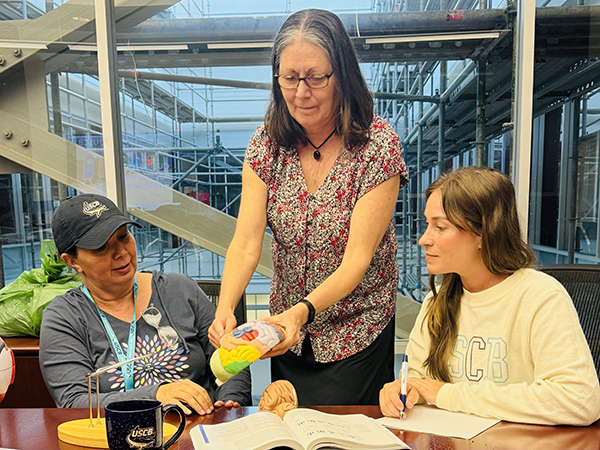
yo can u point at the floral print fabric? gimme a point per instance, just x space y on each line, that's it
162 365
310 233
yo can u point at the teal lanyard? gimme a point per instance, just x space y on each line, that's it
126 369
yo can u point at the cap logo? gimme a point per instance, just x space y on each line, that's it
94 208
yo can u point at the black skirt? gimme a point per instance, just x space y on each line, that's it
355 380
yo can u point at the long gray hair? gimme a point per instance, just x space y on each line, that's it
354 102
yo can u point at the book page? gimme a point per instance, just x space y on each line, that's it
263 430
315 429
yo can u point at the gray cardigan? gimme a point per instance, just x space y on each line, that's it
73 343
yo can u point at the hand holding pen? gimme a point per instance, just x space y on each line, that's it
403 385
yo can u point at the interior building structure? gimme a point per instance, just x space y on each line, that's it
188 82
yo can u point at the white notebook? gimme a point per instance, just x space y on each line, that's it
433 420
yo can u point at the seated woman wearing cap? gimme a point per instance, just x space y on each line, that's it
119 314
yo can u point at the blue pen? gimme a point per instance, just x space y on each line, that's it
403 387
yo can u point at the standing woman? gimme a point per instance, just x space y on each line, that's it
494 338
119 314
323 173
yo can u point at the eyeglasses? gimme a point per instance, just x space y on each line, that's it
318 81
167 334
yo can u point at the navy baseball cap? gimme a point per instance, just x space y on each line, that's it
86 221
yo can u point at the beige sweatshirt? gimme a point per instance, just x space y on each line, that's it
520 356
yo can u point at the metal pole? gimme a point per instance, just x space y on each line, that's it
480 143
405 197
523 107
442 116
109 100
419 179
584 114
404 234
442 109
572 183
56 109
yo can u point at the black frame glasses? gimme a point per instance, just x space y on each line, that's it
312 81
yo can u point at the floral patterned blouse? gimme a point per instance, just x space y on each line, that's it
310 233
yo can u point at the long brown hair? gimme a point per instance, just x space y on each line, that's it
479 200
354 102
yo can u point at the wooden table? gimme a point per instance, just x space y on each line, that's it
28 389
36 429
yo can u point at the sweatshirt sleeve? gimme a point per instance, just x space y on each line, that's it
237 389
565 387
418 344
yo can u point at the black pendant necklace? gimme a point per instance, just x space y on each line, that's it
317 153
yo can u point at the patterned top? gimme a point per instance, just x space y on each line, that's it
310 233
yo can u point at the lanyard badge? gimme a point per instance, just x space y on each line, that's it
126 369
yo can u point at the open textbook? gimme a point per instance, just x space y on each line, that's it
301 429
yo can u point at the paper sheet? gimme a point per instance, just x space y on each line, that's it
429 419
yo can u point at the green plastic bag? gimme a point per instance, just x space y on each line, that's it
23 301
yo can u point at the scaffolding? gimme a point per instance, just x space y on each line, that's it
449 100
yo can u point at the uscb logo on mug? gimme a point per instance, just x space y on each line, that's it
142 437
138 424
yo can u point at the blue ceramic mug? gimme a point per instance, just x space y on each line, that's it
138 424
